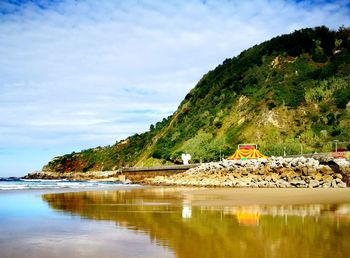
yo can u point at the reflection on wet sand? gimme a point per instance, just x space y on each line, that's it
248 217
213 231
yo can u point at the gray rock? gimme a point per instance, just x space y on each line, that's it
339 176
334 183
341 184
314 183
298 183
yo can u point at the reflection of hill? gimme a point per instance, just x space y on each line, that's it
205 232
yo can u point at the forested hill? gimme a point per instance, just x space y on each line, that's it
293 89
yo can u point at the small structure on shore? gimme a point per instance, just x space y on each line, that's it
185 158
247 151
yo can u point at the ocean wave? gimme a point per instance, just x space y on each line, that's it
44 180
50 184
12 187
6 179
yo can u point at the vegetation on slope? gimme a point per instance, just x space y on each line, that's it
291 90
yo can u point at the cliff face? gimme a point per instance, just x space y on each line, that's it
289 90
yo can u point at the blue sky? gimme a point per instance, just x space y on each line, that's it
79 74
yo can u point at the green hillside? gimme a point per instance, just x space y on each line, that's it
293 89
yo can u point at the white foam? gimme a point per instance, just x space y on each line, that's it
12 187
50 184
44 180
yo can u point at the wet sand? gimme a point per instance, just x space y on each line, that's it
199 196
178 222
269 196
223 196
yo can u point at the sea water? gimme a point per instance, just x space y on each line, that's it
13 183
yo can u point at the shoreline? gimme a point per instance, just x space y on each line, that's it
71 190
218 197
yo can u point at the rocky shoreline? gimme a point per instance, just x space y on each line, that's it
273 172
78 176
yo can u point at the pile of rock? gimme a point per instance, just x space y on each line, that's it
272 172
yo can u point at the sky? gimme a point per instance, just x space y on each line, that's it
76 74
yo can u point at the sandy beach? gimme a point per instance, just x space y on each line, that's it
268 196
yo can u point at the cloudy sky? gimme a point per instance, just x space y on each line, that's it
76 74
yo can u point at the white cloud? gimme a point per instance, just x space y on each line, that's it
79 73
